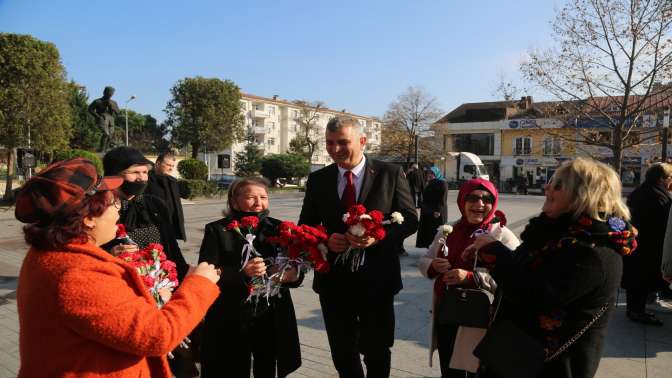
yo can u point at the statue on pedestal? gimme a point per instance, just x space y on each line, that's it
104 110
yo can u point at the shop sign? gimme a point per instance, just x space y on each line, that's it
523 124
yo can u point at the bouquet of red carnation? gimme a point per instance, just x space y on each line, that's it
155 270
258 286
304 247
362 223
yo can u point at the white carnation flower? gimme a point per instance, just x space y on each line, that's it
364 216
396 217
446 229
346 216
357 230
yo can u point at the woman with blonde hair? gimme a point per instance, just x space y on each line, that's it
559 285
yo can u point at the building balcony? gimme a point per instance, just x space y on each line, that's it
260 129
259 113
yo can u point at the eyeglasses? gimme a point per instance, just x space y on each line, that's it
475 198
116 203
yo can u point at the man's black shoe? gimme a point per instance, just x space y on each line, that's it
644 318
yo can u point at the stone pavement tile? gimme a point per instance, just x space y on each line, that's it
611 367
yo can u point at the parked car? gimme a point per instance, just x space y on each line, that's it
224 181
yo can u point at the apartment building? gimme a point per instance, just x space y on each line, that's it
522 146
276 122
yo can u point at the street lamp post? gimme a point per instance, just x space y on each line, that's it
126 111
666 125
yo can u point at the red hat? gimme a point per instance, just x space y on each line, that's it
58 187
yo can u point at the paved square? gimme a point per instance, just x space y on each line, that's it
632 350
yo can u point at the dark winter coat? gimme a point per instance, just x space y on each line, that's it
557 280
166 188
231 320
434 199
650 207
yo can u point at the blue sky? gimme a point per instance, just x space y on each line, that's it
354 55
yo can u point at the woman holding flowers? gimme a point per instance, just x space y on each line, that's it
82 311
239 325
560 284
477 201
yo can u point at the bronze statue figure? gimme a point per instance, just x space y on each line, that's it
104 110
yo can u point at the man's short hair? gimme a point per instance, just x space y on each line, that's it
338 122
657 171
165 155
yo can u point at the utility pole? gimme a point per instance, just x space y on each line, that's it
666 128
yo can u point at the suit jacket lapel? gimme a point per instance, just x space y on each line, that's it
369 178
333 188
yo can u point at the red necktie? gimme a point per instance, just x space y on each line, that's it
349 194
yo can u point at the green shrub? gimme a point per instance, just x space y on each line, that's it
276 166
197 188
69 154
192 169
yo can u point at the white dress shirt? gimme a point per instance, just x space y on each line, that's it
357 178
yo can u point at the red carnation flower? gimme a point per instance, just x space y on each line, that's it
357 209
378 233
376 215
249 222
148 281
321 266
121 231
233 225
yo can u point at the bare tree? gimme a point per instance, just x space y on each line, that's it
612 57
309 135
506 89
414 111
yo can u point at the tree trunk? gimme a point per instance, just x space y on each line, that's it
9 193
194 150
617 149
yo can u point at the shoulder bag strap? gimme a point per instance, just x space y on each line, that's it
573 339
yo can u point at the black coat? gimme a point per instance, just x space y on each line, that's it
416 180
166 188
434 199
231 317
650 208
565 277
385 189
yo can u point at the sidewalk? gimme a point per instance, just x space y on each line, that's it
632 350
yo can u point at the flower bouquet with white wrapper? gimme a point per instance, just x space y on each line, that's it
362 223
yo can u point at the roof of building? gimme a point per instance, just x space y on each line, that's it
279 101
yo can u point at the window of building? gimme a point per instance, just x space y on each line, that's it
243 105
272 125
552 146
479 144
295 114
271 110
522 146
271 141
259 107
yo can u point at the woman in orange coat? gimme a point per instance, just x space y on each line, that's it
82 311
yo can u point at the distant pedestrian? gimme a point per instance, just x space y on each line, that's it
650 207
433 211
163 185
416 181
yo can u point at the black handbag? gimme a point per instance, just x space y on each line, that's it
510 352
465 307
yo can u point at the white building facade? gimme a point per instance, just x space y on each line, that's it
276 122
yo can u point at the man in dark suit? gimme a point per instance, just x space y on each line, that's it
163 185
358 306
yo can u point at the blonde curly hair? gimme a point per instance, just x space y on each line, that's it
595 188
